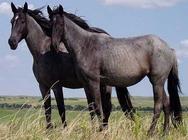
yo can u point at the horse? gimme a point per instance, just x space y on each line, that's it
52 70
121 62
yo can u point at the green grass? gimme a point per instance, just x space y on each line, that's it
5 114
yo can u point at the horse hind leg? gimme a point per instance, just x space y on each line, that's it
166 109
125 102
58 92
158 104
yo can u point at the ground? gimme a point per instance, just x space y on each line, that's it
30 123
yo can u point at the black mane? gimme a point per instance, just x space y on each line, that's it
81 22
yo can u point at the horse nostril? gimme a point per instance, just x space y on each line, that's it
10 42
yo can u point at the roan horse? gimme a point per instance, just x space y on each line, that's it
121 62
50 67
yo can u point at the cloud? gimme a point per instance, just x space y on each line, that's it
5 8
31 6
9 61
184 43
143 3
182 50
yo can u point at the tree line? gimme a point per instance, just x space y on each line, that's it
70 107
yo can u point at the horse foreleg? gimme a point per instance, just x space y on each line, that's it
90 101
93 88
158 104
47 104
106 103
58 92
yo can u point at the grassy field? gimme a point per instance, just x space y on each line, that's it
30 123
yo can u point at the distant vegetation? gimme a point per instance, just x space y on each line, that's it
76 104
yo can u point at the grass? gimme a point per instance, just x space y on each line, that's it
29 124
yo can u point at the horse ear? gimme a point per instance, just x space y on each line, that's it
61 9
13 7
25 9
49 10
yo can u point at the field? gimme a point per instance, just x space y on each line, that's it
30 123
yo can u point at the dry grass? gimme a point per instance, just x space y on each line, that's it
31 126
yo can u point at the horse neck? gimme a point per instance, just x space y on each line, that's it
76 38
37 42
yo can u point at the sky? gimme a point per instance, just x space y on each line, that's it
167 19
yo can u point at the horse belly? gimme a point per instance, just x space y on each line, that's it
123 72
71 82
52 73
122 81
123 78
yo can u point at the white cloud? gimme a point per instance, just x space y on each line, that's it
5 8
182 50
9 61
184 43
31 6
143 3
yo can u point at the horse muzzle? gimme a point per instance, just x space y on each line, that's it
13 43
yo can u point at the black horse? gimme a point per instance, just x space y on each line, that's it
52 70
121 62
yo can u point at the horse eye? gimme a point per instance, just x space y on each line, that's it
23 21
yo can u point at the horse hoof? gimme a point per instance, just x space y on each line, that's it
64 125
49 126
165 133
150 133
103 127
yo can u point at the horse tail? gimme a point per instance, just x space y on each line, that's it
173 90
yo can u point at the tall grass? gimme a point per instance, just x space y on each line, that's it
30 125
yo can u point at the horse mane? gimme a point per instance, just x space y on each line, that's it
81 22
